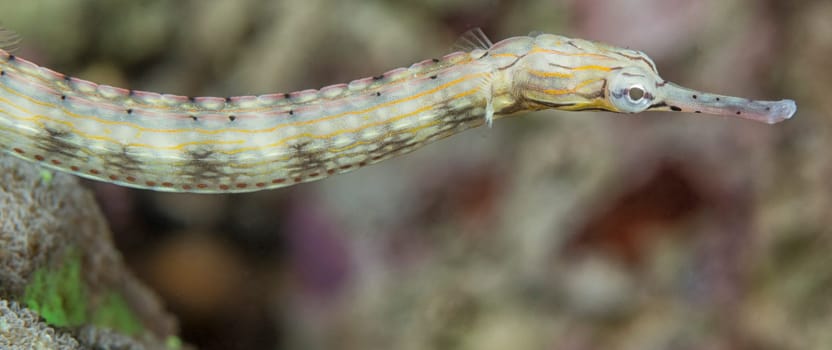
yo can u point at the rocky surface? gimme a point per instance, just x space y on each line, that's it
46 222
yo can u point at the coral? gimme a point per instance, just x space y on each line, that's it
57 258
21 328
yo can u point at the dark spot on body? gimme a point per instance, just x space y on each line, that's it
2 73
657 105
378 93
232 118
63 97
697 112
305 160
12 57
433 77
738 112
675 109
60 142
202 165
554 105
291 112
694 97
435 60
378 77
191 99
287 95
604 91
593 109
129 111
194 118
455 118
228 100
124 160
768 108
389 144
717 99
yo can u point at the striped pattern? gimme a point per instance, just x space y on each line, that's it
246 143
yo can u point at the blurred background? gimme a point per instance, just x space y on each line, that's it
552 230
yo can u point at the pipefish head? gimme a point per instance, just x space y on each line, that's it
572 74
636 90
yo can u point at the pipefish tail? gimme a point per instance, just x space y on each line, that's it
247 143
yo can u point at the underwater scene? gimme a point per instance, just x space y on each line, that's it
509 207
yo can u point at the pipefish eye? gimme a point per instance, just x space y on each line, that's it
635 93
630 91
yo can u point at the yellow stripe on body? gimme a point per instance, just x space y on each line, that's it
538 49
245 131
39 118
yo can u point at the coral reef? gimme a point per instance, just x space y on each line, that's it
21 328
58 259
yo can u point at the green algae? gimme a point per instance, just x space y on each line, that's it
60 296
46 176
116 314
173 343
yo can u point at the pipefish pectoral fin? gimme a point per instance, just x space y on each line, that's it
672 97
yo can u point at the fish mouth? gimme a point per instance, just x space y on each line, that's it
672 97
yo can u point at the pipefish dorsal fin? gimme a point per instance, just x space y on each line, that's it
9 40
473 39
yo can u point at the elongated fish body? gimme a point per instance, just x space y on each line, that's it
247 143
